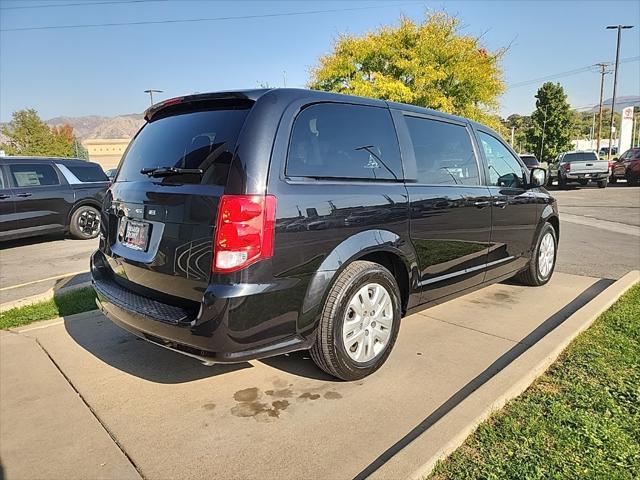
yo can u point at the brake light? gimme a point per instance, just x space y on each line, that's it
244 231
566 166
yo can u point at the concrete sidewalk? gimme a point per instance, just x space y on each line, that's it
46 430
281 417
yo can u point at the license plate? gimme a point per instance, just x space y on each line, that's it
136 235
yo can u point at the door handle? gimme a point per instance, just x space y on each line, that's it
481 203
3 196
500 203
23 194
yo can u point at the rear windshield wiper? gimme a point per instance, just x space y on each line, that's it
169 171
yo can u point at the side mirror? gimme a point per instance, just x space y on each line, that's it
538 177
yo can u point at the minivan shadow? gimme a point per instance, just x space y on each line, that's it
135 356
298 363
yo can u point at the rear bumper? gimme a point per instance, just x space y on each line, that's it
574 177
210 335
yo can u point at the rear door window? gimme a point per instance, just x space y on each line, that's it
196 139
33 175
443 151
331 140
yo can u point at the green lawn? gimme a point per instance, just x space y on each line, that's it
73 302
579 420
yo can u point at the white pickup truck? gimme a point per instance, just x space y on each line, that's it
578 167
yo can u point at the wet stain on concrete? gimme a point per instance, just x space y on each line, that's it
309 396
246 395
251 402
330 395
280 383
209 406
284 393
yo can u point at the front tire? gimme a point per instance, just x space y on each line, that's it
543 258
85 223
359 323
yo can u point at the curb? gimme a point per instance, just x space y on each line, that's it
42 297
577 323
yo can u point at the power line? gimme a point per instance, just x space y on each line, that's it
83 4
210 19
575 71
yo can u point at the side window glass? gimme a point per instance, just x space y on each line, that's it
344 141
2 185
443 151
504 168
33 175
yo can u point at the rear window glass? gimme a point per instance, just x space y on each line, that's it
529 160
332 140
201 139
580 157
89 173
33 175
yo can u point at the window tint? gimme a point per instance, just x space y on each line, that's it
31 175
344 141
2 185
200 139
443 151
504 169
88 173
529 160
580 157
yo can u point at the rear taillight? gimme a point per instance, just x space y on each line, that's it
244 231
567 167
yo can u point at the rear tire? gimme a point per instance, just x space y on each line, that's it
543 258
602 183
85 223
357 330
613 179
562 183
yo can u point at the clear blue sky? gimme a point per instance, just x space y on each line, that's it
103 71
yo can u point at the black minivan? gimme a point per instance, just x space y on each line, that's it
247 224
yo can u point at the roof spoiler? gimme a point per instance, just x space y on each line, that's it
201 97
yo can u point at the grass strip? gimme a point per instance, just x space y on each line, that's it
81 300
581 419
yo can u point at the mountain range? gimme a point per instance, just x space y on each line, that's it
95 126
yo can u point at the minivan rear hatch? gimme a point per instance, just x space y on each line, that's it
164 200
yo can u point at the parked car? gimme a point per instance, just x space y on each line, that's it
198 252
578 167
47 195
627 167
604 151
111 174
530 160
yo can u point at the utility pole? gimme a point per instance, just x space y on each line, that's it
544 127
603 72
151 91
615 80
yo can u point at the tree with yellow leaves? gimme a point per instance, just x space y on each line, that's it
430 64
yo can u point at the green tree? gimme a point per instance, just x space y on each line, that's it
430 64
520 125
27 134
553 116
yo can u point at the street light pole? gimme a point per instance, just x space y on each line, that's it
615 81
151 91
603 72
